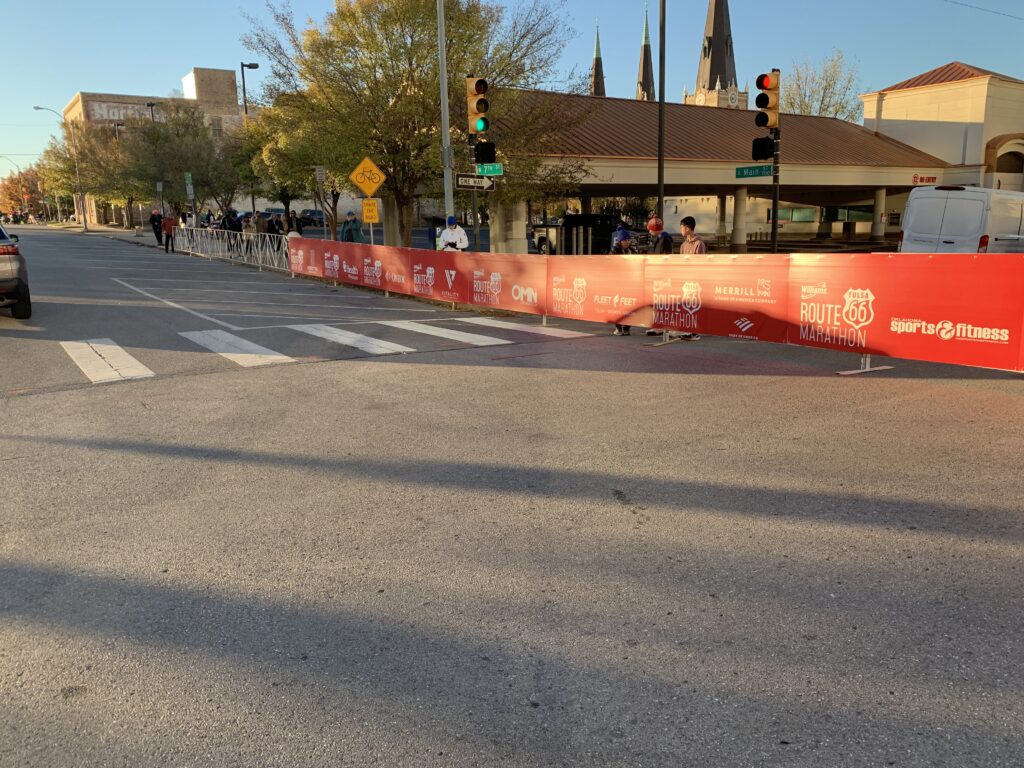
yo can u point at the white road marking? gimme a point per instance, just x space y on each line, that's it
303 294
432 330
236 349
543 330
349 339
176 306
104 361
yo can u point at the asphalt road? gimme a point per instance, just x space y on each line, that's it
552 551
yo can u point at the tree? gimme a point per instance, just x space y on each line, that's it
368 78
828 89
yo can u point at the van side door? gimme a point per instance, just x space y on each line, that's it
1005 225
922 222
962 223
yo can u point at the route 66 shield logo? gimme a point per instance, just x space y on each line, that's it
691 299
495 286
430 277
859 310
579 289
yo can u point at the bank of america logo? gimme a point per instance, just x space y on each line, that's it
449 275
744 324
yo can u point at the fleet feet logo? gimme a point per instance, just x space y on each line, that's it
859 310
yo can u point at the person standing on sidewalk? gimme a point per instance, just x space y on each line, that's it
623 245
351 229
167 225
454 237
692 243
154 221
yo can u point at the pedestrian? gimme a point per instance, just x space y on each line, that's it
278 224
351 229
248 230
692 244
454 237
294 225
661 244
167 225
154 221
209 217
623 244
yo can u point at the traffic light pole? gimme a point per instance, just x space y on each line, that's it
476 209
446 140
775 192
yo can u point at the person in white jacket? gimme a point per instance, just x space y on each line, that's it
453 237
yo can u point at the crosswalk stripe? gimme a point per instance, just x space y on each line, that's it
543 330
236 349
102 361
446 333
349 339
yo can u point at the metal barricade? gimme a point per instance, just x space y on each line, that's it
257 249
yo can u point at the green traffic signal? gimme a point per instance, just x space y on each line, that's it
482 124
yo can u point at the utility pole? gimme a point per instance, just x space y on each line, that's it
446 141
661 110
245 109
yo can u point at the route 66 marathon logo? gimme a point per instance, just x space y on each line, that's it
691 297
859 310
430 277
579 290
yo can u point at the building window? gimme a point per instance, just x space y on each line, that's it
216 127
1011 162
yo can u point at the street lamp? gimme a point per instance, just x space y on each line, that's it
152 111
78 172
245 98
245 108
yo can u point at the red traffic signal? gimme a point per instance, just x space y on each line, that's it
768 100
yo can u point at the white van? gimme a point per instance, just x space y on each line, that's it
955 219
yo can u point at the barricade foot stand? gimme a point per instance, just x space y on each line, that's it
665 339
544 321
865 367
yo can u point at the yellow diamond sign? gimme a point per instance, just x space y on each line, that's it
367 176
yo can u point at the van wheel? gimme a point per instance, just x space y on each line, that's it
23 309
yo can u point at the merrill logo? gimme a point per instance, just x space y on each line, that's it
764 288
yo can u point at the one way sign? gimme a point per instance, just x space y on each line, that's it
471 181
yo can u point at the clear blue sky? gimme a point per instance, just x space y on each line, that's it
63 46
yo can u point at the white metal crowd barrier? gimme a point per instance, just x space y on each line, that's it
257 249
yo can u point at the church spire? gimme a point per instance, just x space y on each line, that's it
717 60
597 70
645 76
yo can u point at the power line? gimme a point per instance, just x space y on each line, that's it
986 10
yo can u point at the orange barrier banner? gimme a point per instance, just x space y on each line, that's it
741 296
306 257
604 289
962 308
506 281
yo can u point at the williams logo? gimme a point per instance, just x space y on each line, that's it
810 291
859 310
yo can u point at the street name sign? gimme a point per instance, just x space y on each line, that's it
753 171
367 176
321 174
490 169
479 183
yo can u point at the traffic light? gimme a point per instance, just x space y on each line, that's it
763 149
768 100
484 152
476 105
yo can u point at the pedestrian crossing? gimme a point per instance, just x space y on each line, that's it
105 361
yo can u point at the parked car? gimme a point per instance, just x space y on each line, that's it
958 219
596 230
14 278
311 217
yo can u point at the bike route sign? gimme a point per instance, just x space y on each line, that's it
367 176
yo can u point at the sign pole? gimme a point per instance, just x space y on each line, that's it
775 192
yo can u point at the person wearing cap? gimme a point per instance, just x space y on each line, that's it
454 237
351 229
623 242
661 243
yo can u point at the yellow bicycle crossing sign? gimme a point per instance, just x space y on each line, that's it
367 176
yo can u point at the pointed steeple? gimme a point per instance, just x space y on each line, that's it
645 76
597 70
717 60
